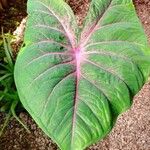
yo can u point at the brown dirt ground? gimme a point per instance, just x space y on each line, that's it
11 17
132 130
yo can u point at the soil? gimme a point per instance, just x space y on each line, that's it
12 16
132 130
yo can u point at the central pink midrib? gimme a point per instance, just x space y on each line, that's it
78 52
78 57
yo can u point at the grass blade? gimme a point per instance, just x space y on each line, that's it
5 76
5 123
13 106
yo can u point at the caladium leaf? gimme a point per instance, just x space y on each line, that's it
73 82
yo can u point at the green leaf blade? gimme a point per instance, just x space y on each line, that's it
73 87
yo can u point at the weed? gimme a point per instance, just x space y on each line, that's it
9 100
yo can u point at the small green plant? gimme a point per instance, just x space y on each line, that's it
9 100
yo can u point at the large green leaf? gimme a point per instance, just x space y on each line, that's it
75 83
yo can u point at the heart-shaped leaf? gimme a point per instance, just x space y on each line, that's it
74 82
